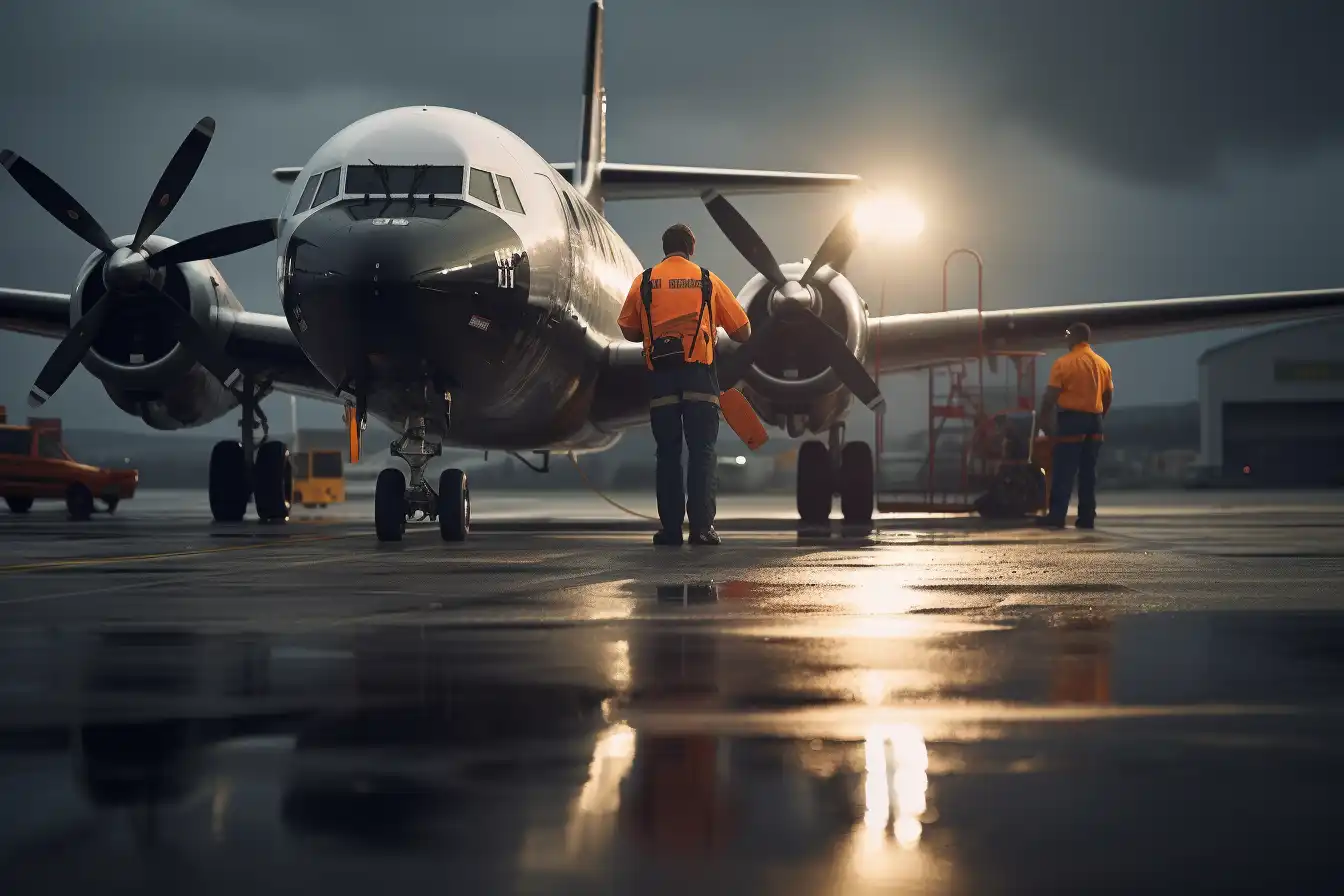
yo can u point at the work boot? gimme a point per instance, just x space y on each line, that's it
1085 524
1049 522
667 539
709 536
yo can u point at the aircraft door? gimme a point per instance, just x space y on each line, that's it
562 291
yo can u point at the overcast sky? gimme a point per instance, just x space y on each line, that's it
1089 150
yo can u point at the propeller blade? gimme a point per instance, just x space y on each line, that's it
835 249
71 350
218 243
851 372
743 237
58 203
199 343
174 180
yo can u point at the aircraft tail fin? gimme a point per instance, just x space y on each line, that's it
593 138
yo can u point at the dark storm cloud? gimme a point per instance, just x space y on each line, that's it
1160 90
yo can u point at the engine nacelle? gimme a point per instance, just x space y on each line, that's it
138 358
790 386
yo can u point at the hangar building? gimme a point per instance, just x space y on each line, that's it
1272 407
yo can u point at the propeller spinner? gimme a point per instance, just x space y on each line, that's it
130 271
794 301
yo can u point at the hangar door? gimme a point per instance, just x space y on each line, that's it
1285 443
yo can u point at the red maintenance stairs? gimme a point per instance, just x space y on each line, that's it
980 434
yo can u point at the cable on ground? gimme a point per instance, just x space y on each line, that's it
597 491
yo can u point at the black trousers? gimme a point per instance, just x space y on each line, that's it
684 410
1075 459
1072 460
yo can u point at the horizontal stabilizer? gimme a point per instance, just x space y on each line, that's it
286 175
619 181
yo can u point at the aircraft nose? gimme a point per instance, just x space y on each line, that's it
381 279
449 248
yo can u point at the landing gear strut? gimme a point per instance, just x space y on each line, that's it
395 502
240 471
825 470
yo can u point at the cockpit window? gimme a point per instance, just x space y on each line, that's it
418 180
509 194
306 198
330 186
483 188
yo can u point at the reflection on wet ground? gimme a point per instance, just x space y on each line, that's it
1024 753
1005 712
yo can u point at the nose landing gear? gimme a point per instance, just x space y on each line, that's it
395 502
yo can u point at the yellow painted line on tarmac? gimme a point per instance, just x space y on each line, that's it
166 555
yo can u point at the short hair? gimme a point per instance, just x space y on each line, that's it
678 238
1079 332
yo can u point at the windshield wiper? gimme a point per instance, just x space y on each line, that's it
420 172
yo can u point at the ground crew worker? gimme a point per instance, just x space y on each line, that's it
1075 402
676 308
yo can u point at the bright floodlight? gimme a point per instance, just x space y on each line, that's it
888 218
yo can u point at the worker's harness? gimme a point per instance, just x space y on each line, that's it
669 352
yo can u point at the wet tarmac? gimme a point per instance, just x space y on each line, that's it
936 706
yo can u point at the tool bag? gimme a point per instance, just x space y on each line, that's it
667 352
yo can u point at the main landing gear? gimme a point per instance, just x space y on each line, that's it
395 502
825 470
240 472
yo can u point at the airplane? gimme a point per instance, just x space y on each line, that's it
437 272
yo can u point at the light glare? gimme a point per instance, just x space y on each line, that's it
890 218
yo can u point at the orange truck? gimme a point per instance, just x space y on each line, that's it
34 464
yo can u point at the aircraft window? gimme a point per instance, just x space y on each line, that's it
327 465
15 441
49 447
509 194
483 188
441 180
330 186
307 197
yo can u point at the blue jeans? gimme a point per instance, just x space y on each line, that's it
698 423
1069 460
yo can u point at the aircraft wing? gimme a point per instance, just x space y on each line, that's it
621 181
911 341
262 343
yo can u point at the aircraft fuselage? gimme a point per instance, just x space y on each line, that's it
425 251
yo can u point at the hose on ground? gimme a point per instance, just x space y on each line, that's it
597 491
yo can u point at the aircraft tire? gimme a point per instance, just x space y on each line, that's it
79 501
856 483
814 488
19 505
454 505
273 482
389 505
228 483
